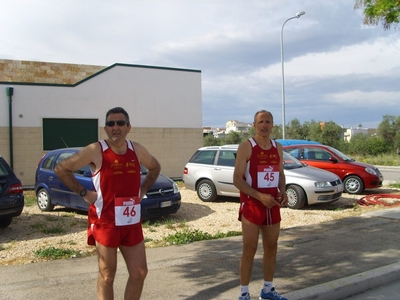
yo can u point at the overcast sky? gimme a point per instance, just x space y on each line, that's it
336 68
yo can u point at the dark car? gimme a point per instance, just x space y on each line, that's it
11 194
356 176
162 199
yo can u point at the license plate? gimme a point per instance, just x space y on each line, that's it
165 203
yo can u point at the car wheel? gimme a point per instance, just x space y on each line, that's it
4 222
353 185
296 197
206 191
43 200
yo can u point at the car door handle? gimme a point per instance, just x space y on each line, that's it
217 169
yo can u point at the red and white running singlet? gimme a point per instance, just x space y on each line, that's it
117 184
262 174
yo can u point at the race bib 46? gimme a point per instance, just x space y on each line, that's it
127 210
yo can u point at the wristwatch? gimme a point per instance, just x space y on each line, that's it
83 193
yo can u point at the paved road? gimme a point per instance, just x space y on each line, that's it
328 261
391 174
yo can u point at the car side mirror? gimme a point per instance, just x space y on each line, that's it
333 159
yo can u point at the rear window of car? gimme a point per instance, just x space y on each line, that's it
3 169
206 157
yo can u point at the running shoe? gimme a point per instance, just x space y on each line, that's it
245 296
272 295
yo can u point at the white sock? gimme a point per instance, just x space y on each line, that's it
267 286
244 289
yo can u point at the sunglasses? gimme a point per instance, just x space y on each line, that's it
119 123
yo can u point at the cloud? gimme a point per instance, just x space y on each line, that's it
336 68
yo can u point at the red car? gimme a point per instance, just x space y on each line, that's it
356 176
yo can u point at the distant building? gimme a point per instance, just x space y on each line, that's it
216 132
237 126
232 125
350 132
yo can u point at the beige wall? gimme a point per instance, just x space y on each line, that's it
171 146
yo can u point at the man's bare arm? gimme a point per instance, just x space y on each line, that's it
65 169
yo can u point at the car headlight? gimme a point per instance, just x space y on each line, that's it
371 171
176 188
322 184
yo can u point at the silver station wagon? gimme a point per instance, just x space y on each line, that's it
209 172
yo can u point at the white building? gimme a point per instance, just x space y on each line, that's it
350 132
164 105
237 126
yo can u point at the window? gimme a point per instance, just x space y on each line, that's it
316 154
226 158
64 133
3 169
204 157
48 162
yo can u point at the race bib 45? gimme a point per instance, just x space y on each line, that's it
267 176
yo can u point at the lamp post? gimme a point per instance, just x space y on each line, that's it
298 15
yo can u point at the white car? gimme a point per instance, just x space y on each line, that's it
210 173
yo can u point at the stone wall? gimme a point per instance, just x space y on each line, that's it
44 72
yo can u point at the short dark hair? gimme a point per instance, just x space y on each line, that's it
263 111
118 110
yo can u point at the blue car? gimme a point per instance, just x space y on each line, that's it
296 142
162 199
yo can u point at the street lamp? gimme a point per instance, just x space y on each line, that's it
298 15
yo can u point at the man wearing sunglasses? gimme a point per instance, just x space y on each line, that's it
114 213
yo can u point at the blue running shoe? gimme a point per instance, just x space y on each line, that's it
245 296
272 295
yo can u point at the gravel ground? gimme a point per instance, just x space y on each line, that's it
25 235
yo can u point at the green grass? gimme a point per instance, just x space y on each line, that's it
49 228
379 160
30 198
189 236
395 185
169 222
57 253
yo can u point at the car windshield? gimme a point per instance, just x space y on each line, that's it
340 154
290 163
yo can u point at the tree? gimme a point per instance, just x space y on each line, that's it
375 11
387 130
276 132
327 133
295 130
233 137
364 144
211 140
